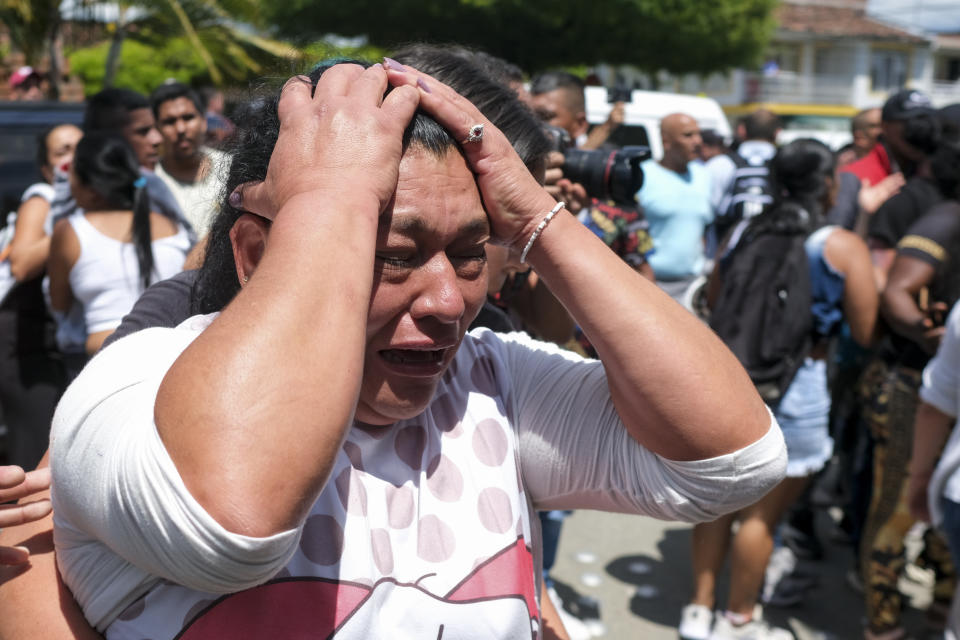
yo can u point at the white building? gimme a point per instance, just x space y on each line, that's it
827 60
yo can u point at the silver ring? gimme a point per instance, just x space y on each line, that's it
476 133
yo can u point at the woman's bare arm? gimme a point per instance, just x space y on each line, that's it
30 245
678 390
849 254
332 172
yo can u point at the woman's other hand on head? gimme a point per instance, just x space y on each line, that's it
513 198
16 485
341 139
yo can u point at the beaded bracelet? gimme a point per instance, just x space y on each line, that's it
540 227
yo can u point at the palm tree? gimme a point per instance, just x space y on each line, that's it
220 31
33 26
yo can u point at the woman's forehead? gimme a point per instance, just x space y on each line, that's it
435 194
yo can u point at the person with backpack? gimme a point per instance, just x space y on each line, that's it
781 289
741 186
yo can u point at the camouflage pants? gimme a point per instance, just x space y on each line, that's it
889 397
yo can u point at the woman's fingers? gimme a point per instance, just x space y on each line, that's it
10 476
29 483
400 104
455 113
370 85
338 80
14 555
294 96
253 197
12 515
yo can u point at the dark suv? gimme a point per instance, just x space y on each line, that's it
20 124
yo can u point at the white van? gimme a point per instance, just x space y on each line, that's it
643 113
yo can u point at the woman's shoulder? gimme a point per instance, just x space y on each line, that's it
38 190
843 250
162 227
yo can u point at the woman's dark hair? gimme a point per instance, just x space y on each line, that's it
106 163
258 128
43 151
43 147
476 76
800 172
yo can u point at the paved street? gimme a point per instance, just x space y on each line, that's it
638 570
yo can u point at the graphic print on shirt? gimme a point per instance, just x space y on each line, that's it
496 592
423 530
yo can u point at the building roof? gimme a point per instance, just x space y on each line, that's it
947 40
829 20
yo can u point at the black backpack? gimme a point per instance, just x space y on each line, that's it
763 311
749 194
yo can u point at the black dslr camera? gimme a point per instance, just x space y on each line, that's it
605 174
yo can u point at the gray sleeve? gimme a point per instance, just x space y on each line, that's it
121 508
845 208
163 304
575 452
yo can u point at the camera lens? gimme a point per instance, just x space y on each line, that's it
607 175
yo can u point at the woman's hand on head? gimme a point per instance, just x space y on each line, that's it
513 198
343 141
15 485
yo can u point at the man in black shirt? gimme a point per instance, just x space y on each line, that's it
924 282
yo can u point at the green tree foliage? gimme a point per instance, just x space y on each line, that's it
142 67
680 36
226 35
30 23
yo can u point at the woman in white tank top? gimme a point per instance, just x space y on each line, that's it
107 255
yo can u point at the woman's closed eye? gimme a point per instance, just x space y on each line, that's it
398 260
469 263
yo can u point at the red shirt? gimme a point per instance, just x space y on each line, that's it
873 167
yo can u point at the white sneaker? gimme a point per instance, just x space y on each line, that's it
723 629
575 627
695 622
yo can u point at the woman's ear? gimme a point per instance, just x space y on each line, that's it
249 238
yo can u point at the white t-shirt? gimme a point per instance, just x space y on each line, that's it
200 200
426 526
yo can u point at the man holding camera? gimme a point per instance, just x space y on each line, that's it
675 197
557 97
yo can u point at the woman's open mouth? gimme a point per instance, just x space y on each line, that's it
415 362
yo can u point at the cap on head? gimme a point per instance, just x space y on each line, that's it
906 104
21 75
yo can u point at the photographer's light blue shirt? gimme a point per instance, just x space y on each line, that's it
677 206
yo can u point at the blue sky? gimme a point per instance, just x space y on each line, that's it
934 15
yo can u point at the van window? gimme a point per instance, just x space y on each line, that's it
629 134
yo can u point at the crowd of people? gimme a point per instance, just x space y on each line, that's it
341 369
